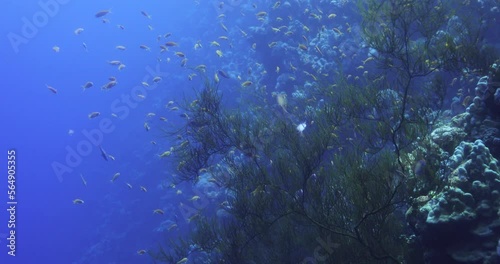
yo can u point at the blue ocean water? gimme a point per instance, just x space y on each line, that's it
36 123
58 149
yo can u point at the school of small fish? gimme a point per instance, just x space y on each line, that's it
297 34
230 35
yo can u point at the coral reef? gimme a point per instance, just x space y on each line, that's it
484 119
447 136
460 223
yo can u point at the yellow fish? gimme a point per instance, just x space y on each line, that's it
223 27
115 177
83 180
184 260
261 14
246 84
216 78
195 198
94 114
158 211
165 154
78 31
282 101
144 47
78 201
172 226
